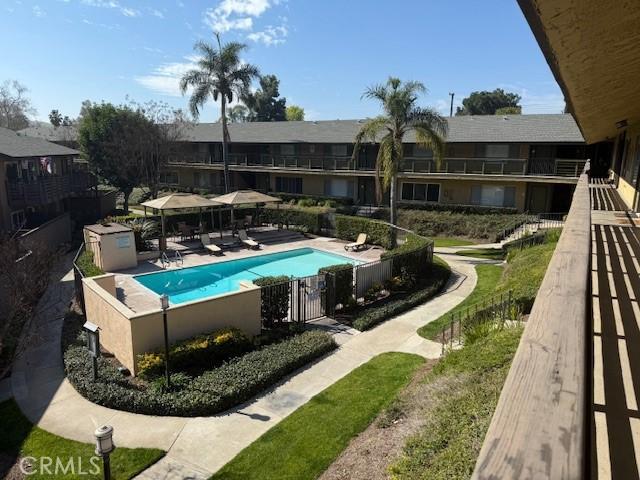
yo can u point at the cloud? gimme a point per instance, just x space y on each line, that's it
535 102
236 14
101 25
156 13
38 12
165 79
270 35
113 4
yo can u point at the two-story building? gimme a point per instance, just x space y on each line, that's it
36 180
528 162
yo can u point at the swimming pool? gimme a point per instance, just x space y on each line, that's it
195 283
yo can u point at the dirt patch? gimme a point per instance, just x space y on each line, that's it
369 454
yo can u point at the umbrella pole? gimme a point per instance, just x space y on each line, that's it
212 224
163 247
220 220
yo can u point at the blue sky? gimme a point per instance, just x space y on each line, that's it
324 52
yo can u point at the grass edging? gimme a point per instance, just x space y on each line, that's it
306 442
22 439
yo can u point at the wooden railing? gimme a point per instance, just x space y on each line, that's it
539 427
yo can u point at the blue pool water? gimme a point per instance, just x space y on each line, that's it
195 283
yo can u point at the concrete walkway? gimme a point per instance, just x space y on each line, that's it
197 447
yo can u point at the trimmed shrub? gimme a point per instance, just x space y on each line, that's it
410 258
235 382
371 316
197 353
86 265
378 233
310 219
343 275
274 299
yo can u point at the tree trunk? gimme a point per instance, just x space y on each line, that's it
127 194
392 209
225 147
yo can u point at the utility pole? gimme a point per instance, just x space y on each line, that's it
451 109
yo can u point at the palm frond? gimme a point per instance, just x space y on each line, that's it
198 98
368 132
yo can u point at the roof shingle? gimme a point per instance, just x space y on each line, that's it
17 146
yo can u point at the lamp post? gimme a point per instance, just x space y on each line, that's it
93 345
104 447
164 304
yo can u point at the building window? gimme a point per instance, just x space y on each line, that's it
17 219
421 192
169 178
493 196
339 150
287 149
497 150
289 184
338 187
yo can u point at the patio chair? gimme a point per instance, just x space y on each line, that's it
206 243
359 244
249 242
186 231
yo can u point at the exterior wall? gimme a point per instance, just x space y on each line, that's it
50 234
127 334
107 254
5 217
628 176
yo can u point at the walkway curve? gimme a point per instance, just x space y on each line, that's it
197 447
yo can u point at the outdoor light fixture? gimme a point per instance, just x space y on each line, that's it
104 447
164 304
93 345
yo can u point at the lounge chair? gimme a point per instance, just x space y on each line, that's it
206 243
249 242
359 244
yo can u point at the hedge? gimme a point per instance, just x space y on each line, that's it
311 220
343 274
378 233
235 382
411 255
371 316
86 265
274 301
197 353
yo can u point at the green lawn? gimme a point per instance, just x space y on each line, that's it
20 438
486 253
461 395
451 242
305 443
488 278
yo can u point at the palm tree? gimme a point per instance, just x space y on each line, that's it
220 73
401 115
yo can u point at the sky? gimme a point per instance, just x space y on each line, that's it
325 52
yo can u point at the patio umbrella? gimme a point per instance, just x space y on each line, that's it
178 201
244 197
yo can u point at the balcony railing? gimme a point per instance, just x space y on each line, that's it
468 166
38 191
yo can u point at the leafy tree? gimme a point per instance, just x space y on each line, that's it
220 73
295 113
15 106
487 103
238 114
509 111
400 116
55 118
265 104
118 143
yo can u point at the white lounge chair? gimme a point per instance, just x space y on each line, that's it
249 242
359 244
206 243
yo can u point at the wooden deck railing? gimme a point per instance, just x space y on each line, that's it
539 428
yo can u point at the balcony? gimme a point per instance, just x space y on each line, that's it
39 191
461 166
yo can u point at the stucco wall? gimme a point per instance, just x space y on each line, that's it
127 334
50 234
112 252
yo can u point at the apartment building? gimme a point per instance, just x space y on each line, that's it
36 180
528 162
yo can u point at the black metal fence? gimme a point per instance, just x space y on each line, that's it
303 299
496 309
530 223
77 279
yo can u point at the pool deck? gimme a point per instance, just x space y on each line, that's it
140 299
